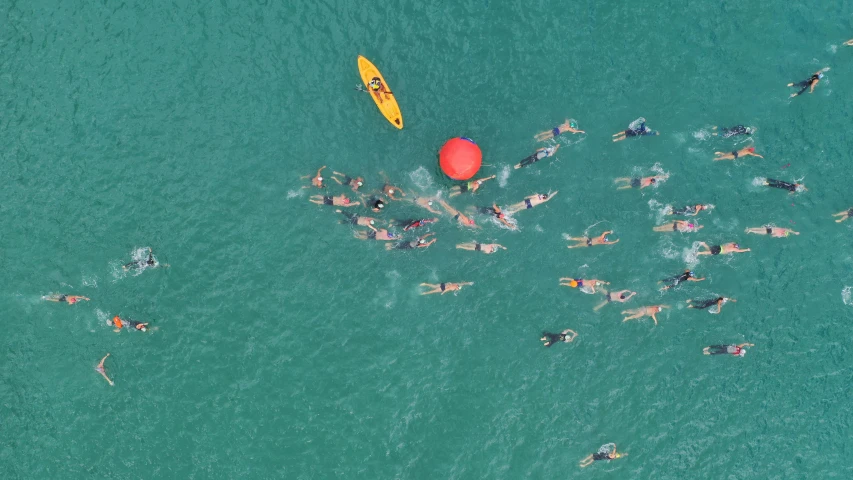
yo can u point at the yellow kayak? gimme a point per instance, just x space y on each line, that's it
387 103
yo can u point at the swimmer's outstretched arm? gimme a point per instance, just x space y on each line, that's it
746 345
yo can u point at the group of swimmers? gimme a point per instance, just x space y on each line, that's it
117 321
638 128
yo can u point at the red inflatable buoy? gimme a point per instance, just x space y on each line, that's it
460 158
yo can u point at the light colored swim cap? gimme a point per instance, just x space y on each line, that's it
742 352
391 191
320 179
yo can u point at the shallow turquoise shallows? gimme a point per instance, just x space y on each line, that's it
283 347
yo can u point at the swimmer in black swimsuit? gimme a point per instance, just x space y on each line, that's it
496 211
603 239
458 216
410 223
718 249
150 262
470 186
355 219
564 336
640 182
737 130
338 201
480 247
444 287
69 299
381 234
674 281
738 350
539 155
421 242
639 131
791 187
691 210
844 215
621 296
703 304
355 183
606 452
317 180
811 82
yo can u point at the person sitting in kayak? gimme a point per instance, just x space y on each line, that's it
377 88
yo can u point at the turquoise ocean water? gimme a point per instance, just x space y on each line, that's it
285 348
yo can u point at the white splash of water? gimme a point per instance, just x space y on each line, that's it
90 281
846 296
758 181
294 193
421 178
503 176
103 317
702 134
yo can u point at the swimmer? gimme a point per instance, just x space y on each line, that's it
69 299
640 182
149 262
355 183
778 232
471 186
377 88
317 181
724 249
690 210
703 304
743 152
427 203
421 242
530 202
621 296
444 287
640 131
682 226
541 153
374 203
458 216
791 187
844 215
120 323
674 281
374 234
355 219
588 242
410 223
604 453
736 130
809 83
738 350
849 42
338 201
568 126
564 336
497 213
581 283
643 312
100 369
486 248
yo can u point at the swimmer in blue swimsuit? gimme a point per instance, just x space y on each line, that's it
567 126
